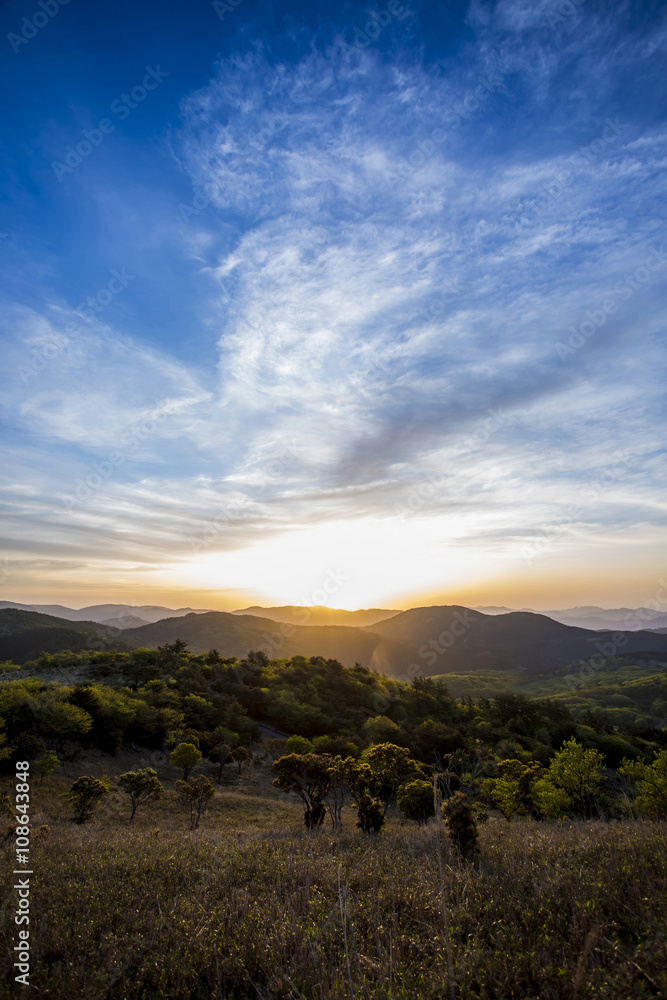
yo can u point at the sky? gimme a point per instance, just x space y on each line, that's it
333 304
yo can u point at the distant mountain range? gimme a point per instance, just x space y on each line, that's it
319 615
114 615
129 616
418 642
591 617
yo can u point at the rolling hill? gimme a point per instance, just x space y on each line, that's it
26 634
233 635
319 615
419 642
455 639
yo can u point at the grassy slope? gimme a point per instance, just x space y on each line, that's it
252 906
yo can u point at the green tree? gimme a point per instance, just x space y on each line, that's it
141 786
196 791
512 791
364 786
45 764
380 729
578 772
61 722
298 744
187 756
651 782
415 800
85 795
551 800
309 776
393 766
240 756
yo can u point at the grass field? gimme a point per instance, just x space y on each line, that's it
253 906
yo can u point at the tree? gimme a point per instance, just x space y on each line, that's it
219 754
578 772
364 785
196 792
381 729
415 800
298 744
512 791
45 764
141 785
309 776
61 722
85 795
187 756
393 766
461 823
240 756
651 781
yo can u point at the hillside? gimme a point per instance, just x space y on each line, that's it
103 614
319 615
233 635
459 640
26 634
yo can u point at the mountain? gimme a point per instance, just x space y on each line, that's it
618 619
103 613
234 634
454 639
419 642
594 618
26 634
318 615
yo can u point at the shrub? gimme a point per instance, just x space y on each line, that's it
85 795
459 816
187 756
415 800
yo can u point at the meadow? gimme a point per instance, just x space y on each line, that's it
251 905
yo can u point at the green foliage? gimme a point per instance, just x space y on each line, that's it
298 744
309 776
380 729
141 786
187 756
578 772
460 820
62 722
45 764
512 791
415 800
240 756
651 782
392 766
551 800
85 795
196 791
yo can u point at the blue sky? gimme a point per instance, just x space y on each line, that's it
293 292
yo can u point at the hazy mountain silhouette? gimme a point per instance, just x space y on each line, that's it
26 634
418 642
319 615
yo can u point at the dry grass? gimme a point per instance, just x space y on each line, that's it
252 906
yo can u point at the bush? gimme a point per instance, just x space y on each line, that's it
415 800
461 822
